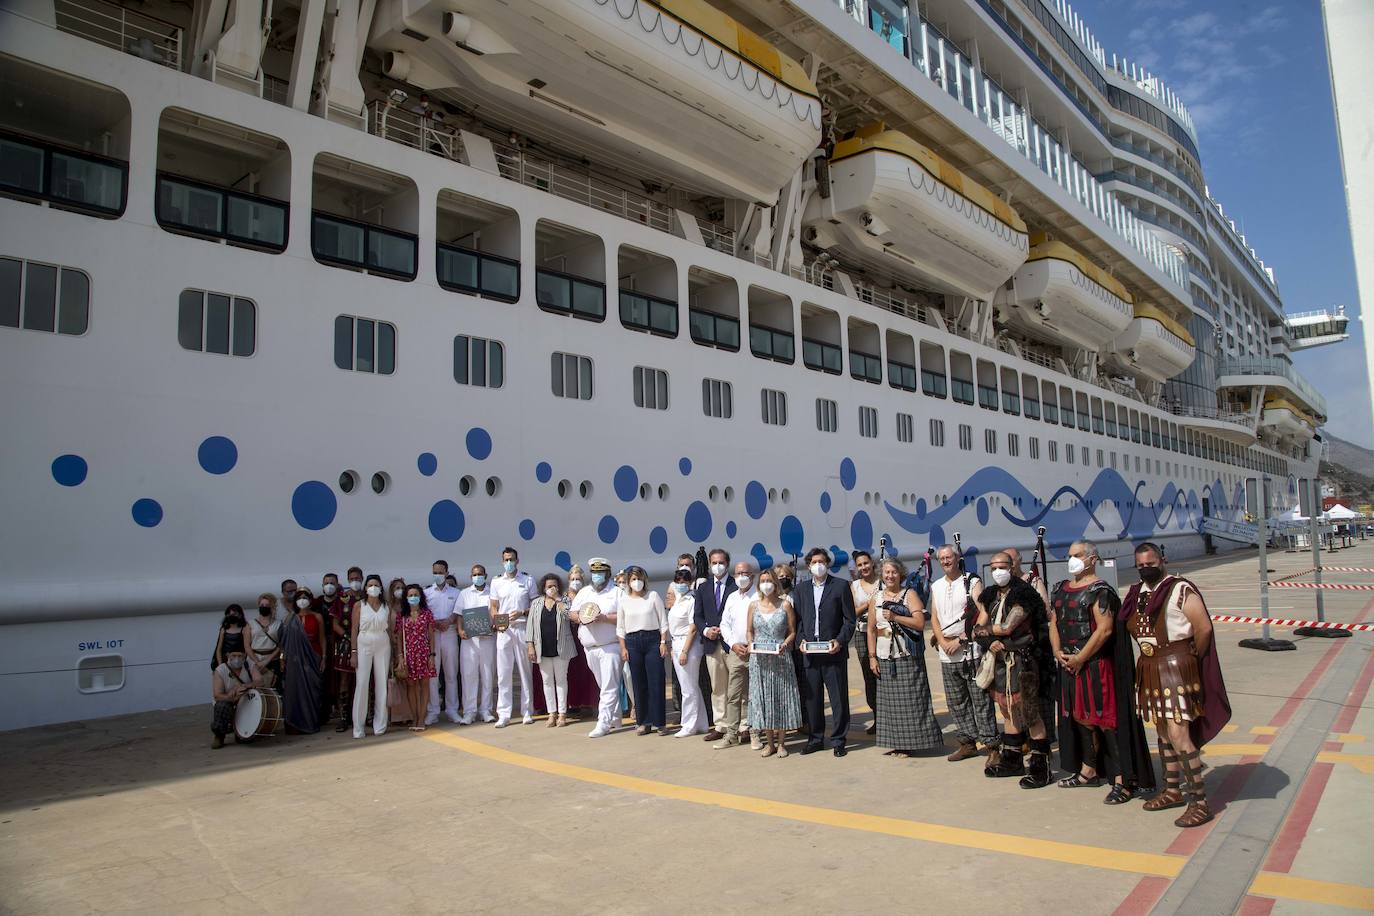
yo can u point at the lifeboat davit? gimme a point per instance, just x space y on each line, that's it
1154 344
1060 295
672 91
902 209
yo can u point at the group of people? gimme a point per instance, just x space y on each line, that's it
755 654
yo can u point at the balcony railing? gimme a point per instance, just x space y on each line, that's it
825 357
466 271
36 170
1237 417
518 165
865 367
420 131
648 313
1262 365
122 29
770 343
376 249
581 297
903 375
196 208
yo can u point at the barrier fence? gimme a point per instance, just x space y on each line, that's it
1313 624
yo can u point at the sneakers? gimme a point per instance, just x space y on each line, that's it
684 733
464 720
502 723
453 717
488 717
727 741
432 719
756 740
599 732
528 720
713 735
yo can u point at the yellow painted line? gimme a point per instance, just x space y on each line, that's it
1362 762
1350 896
1138 863
1347 738
1231 750
1229 729
1264 730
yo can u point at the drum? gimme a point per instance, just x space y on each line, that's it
259 714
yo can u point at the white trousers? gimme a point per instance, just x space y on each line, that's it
605 664
553 672
446 643
693 705
374 666
479 670
511 657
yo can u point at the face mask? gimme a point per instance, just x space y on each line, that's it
598 579
479 581
818 570
302 603
374 591
680 587
289 596
1001 576
236 663
717 569
355 584
741 582
636 585
330 588
575 584
398 592
265 609
1076 565
235 621
785 584
1150 575
439 579
686 569
413 601
508 566
551 590
766 587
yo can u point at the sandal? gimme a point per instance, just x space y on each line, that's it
1119 795
769 751
1079 781
782 750
562 721
1197 814
1169 798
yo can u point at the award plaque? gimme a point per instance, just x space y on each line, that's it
477 621
588 612
766 647
500 623
816 647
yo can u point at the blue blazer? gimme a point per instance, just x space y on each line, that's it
836 617
706 613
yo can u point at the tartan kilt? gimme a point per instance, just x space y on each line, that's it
906 717
222 718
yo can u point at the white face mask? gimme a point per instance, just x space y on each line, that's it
575 585
741 582
302 603
1001 576
375 591
330 588
1076 565
440 579
355 584
717 569
636 585
398 593
818 570
766 587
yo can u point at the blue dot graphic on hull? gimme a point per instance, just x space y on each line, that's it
562 560
543 472
825 502
217 455
861 531
761 556
921 508
658 539
446 521
937 536
730 529
147 513
626 482
314 505
755 499
849 475
839 557
684 466
697 522
69 470
527 529
608 529
427 464
982 512
479 443
791 535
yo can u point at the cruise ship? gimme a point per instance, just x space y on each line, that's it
290 286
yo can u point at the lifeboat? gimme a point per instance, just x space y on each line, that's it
902 209
1060 295
672 91
1286 419
1154 344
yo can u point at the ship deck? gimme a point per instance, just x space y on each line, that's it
138 814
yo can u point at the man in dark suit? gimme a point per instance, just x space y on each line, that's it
825 613
711 594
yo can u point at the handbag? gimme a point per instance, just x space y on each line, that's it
403 666
987 671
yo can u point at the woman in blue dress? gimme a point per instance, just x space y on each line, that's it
774 704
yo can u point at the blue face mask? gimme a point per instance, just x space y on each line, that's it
479 581
680 587
598 579
508 566
413 600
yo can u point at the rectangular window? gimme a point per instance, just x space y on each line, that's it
824 357
966 437
1113 456
1034 448
937 433
464 270
1013 445
1053 450
478 362
650 388
990 441
648 313
349 243
570 376
770 343
774 406
1068 452
216 323
44 297
987 397
364 345
868 422
933 383
70 179
712 330
1099 457
962 390
900 375
1032 408
555 291
865 367
717 398
827 415
905 427
1011 403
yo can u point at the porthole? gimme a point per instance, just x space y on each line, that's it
729 494
663 492
877 497
493 486
772 494
564 488
466 484
381 482
713 494
644 491
786 496
585 488
348 481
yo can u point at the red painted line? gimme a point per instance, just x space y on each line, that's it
1255 906
1143 898
1285 847
1346 720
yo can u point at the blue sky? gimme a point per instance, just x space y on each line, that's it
1253 74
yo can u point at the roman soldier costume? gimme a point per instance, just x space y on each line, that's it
1017 679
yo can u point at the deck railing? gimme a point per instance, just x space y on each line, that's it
122 29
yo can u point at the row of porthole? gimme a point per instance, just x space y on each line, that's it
349 481
716 494
467 485
873 498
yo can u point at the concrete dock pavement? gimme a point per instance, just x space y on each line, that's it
138 814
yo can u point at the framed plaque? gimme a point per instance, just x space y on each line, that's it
500 623
766 646
588 612
816 647
477 621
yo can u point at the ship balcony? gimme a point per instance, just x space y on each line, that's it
1150 349
1061 295
1233 426
1275 374
1287 421
122 29
1317 328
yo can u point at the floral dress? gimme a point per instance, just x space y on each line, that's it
414 629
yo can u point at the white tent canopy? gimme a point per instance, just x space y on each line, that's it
1340 513
1292 515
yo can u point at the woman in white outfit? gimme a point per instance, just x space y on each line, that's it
549 644
372 625
686 655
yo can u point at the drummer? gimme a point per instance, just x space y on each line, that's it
229 683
